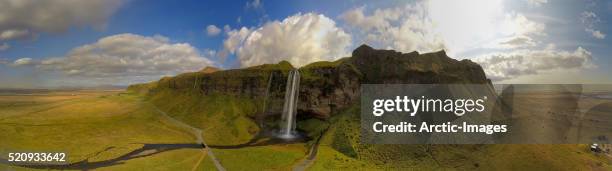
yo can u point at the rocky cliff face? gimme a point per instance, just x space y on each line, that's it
327 86
335 85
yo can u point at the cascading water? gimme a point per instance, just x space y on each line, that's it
290 107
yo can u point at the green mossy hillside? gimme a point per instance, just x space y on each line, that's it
225 120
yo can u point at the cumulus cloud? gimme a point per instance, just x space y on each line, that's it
234 40
125 56
299 39
502 66
4 46
19 19
406 28
212 30
590 19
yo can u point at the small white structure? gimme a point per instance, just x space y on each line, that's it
601 148
595 148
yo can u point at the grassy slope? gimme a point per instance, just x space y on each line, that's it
224 120
82 126
340 149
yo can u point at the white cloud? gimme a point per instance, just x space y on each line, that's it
502 66
4 46
299 39
255 4
590 19
212 30
125 56
536 3
516 42
13 34
406 28
519 25
456 26
380 19
518 32
23 62
22 18
234 40
596 33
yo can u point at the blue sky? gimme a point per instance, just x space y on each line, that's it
123 42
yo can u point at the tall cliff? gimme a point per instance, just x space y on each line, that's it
325 86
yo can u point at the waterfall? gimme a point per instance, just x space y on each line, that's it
290 106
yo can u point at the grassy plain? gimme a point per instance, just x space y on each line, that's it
92 125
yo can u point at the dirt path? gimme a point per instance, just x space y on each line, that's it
197 132
309 158
312 154
195 167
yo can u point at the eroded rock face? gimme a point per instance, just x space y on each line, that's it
252 82
329 86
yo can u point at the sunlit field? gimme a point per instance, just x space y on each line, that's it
87 125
